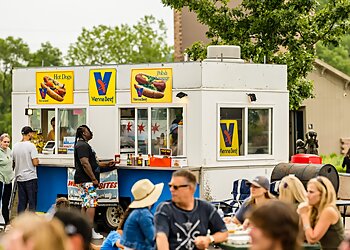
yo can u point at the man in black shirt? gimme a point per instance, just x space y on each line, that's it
87 173
183 222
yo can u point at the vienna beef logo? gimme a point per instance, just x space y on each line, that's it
102 83
43 93
227 133
229 145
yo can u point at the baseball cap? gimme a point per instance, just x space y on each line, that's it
261 181
75 223
26 130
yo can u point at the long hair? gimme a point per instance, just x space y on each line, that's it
279 222
41 233
328 197
79 133
124 218
291 190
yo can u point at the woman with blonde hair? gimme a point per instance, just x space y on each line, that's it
320 216
292 191
34 232
6 176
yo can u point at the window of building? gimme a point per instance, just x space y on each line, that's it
239 136
146 130
45 123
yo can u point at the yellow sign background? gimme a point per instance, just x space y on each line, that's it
231 136
165 74
99 94
62 77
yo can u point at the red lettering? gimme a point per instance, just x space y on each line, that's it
106 185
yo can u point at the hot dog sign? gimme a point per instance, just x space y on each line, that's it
151 85
54 87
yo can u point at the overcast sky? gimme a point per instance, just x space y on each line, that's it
60 22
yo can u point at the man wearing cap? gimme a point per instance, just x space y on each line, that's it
259 194
185 222
25 161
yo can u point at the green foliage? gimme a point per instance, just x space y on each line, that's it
143 43
335 160
15 53
337 56
46 56
282 32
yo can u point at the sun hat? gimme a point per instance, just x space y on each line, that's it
145 193
261 181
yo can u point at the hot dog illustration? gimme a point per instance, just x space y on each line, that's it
55 90
149 86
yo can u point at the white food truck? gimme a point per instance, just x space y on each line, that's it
222 118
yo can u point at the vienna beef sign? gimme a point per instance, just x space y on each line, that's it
229 145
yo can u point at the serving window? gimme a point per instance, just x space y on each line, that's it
244 131
61 131
147 130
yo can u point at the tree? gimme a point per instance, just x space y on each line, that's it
338 57
144 42
278 31
47 55
14 52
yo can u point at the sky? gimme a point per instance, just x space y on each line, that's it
61 22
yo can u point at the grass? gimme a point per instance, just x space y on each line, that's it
335 160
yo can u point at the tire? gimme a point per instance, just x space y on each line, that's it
113 216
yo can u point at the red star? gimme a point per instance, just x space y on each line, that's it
141 128
129 128
155 128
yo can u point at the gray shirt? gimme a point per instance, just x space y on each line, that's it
23 152
6 172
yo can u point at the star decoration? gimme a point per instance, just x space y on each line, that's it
129 128
141 128
155 128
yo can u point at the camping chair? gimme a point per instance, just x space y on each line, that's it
274 188
240 191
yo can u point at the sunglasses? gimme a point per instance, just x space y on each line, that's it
319 179
176 187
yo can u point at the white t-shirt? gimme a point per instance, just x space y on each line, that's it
23 152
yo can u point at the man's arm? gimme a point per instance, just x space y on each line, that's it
35 162
203 242
88 169
106 164
162 241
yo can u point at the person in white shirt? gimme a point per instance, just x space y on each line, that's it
25 160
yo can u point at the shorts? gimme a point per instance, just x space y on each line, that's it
88 194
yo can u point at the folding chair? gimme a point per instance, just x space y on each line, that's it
274 188
240 191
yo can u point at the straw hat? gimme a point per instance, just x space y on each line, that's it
145 193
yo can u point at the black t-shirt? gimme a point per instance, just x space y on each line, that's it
182 226
83 149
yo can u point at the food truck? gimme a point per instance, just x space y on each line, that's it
222 118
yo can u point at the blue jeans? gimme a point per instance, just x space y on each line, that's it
27 195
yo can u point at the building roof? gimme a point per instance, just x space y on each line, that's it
326 67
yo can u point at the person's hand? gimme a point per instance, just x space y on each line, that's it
227 220
303 208
202 242
95 183
111 163
246 224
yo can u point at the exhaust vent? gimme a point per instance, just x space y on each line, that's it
224 53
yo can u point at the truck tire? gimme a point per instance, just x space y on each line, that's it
113 216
